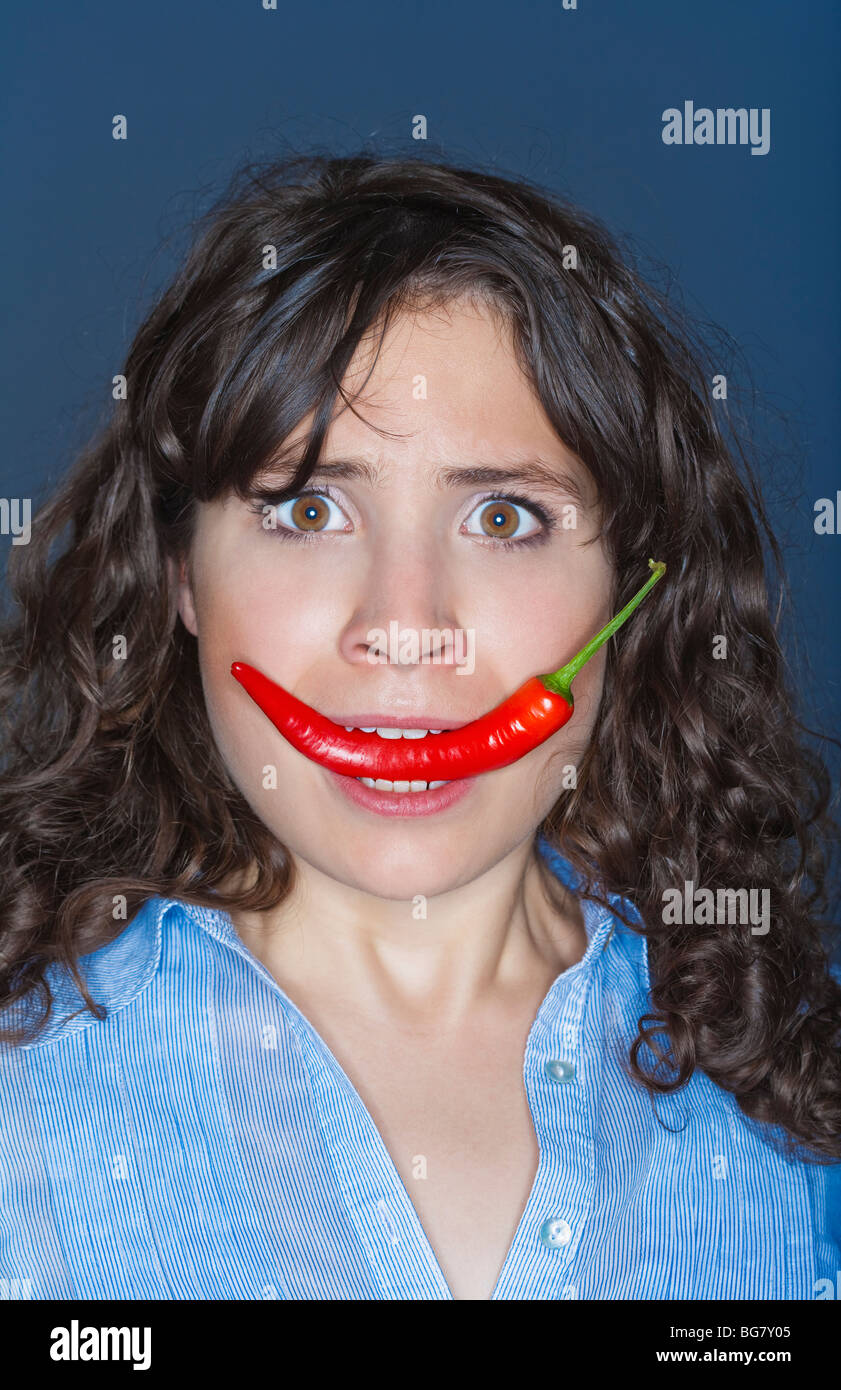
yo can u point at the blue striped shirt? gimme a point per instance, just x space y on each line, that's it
202 1142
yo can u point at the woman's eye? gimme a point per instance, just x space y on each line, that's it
312 511
503 519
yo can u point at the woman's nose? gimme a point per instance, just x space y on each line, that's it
404 608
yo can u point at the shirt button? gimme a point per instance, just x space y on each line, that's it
554 1232
559 1070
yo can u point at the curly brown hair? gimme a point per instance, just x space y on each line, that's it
697 769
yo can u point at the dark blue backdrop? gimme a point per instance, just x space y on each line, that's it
571 98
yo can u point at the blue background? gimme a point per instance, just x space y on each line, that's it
92 227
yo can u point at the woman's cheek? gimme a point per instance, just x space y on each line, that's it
564 753
247 610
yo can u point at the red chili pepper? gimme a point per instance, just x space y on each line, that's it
506 733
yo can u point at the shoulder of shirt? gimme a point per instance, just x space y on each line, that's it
115 974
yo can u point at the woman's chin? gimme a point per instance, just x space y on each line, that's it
402 872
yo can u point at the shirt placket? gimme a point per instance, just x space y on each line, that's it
562 1081
562 1077
374 1198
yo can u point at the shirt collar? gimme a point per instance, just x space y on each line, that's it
601 923
116 973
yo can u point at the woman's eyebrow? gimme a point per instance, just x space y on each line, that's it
530 473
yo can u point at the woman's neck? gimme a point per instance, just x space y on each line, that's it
514 928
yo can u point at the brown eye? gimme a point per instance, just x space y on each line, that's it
499 519
503 519
310 513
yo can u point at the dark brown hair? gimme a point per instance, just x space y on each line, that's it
697 769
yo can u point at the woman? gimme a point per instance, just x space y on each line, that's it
332 1034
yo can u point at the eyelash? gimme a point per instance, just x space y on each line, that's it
543 515
277 499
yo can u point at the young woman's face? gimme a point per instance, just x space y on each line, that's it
407 546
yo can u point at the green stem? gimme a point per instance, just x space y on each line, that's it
560 681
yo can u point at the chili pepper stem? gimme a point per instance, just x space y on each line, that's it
559 682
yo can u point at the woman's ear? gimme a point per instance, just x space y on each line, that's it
180 577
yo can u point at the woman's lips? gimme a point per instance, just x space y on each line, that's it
394 719
401 804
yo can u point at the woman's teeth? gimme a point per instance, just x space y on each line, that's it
394 733
379 783
382 785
